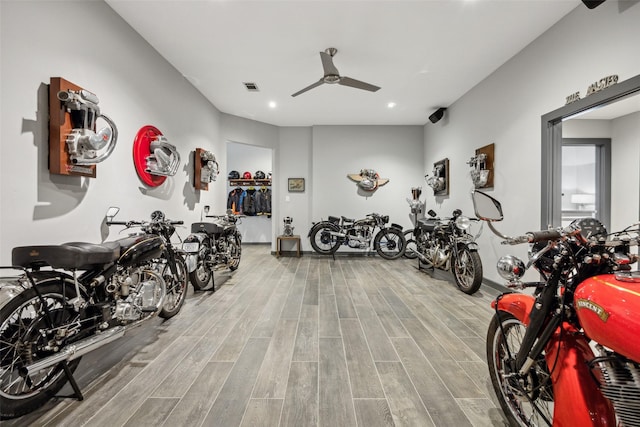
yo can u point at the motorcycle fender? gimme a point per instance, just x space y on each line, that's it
195 237
191 261
518 305
318 224
577 398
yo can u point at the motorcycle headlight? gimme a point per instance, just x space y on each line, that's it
510 268
463 222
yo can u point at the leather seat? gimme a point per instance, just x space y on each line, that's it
72 255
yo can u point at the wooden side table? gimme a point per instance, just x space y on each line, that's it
295 239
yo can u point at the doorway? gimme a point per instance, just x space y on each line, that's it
619 107
585 184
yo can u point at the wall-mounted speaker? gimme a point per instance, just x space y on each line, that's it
435 117
592 4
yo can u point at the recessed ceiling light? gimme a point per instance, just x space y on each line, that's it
391 105
272 104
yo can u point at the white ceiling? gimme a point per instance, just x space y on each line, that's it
424 54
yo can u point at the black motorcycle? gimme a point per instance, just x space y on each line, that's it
447 245
327 236
211 246
73 298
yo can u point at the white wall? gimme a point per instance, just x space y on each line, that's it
506 109
395 152
89 45
295 162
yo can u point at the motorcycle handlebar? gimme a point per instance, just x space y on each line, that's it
534 237
543 236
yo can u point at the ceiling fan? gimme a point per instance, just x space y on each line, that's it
332 76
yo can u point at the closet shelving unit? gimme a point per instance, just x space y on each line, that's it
249 182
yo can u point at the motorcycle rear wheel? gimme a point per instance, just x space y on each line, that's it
390 243
411 248
525 401
201 276
176 287
467 270
322 241
22 321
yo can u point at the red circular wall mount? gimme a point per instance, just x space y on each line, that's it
141 150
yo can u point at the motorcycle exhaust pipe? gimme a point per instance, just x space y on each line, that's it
421 257
76 350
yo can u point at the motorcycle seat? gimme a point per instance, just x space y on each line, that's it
345 219
72 255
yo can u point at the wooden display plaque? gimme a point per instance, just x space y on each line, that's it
488 150
59 127
197 160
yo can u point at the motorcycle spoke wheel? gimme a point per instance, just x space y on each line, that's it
235 252
323 242
411 247
467 270
176 289
25 338
390 243
525 401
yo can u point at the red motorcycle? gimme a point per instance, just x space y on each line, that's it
569 354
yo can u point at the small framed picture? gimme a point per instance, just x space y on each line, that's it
296 185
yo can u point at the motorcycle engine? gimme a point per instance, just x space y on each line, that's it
620 384
359 237
137 293
432 251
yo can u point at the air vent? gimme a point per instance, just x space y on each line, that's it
251 87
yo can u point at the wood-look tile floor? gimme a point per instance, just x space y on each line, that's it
309 341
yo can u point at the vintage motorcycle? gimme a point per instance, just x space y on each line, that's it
446 244
327 236
569 354
212 246
73 298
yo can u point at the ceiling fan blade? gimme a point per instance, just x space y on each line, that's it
348 81
311 86
327 64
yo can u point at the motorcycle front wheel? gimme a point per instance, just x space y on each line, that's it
26 337
176 286
411 247
235 251
201 276
525 401
390 243
467 270
322 241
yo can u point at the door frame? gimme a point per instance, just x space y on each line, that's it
551 150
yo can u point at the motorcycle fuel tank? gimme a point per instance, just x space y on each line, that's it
141 248
608 311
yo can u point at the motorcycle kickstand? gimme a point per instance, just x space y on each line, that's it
72 381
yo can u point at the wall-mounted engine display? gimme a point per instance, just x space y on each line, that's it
440 179
368 180
74 145
482 167
206 168
153 156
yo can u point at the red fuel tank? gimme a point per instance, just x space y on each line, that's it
609 312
